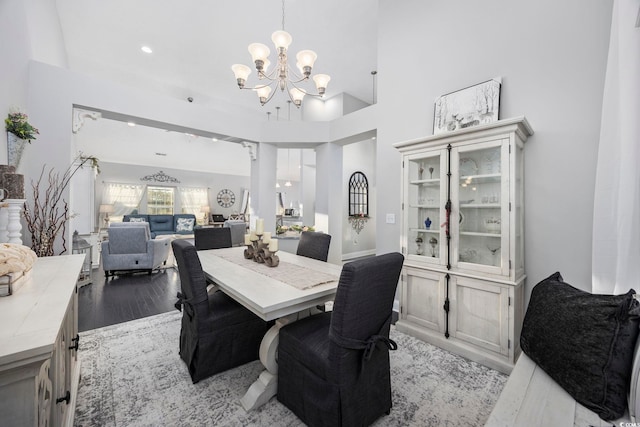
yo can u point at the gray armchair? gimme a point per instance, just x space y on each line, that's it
130 247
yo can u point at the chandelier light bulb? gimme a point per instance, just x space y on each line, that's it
321 81
241 72
263 93
281 39
297 95
259 54
306 59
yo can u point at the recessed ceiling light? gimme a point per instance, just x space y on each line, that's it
214 139
132 124
146 49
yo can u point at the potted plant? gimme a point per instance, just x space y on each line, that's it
19 132
48 213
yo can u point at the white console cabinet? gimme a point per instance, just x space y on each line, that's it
463 240
39 368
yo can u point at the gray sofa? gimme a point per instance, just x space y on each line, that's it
131 248
165 224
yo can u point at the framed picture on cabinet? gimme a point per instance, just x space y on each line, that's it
471 106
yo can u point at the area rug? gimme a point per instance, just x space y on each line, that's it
131 375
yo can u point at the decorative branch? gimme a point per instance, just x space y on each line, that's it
50 211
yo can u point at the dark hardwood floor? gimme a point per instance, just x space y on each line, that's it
127 297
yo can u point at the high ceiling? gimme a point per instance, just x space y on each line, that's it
195 42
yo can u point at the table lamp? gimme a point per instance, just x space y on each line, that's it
106 210
206 209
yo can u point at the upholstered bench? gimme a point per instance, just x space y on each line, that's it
531 397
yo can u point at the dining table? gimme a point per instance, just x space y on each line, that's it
283 294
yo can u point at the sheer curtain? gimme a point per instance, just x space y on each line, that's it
125 198
193 200
616 222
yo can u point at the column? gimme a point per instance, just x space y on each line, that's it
14 226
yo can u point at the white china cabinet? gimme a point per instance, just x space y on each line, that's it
463 240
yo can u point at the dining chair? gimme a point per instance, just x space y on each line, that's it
217 333
314 245
212 238
333 368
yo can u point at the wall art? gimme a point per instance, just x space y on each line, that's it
472 106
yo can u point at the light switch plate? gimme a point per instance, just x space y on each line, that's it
391 218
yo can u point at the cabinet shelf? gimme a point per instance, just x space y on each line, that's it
425 206
480 206
434 181
481 179
424 230
480 234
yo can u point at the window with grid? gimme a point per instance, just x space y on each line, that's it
160 200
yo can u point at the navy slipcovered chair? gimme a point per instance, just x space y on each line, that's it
333 368
314 245
217 333
212 238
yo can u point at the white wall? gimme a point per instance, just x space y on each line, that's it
552 57
15 51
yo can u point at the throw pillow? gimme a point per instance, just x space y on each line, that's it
137 220
585 342
184 225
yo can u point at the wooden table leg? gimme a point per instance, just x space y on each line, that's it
266 386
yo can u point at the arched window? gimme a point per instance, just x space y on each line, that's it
358 195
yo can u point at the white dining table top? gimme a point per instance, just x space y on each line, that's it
267 297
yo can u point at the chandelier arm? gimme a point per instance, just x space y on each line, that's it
317 95
273 92
270 76
258 86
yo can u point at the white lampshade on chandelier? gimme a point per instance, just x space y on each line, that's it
282 76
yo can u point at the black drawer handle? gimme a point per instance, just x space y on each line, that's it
65 399
76 340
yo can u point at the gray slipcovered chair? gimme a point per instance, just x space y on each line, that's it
217 333
212 238
333 368
238 230
314 245
131 248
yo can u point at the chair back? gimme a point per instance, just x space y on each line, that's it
212 238
238 230
314 245
128 237
192 278
363 305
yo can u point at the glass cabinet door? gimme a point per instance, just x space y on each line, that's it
481 197
425 197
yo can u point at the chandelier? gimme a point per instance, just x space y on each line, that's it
282 76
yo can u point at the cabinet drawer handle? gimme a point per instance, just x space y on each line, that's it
65 399
76 340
